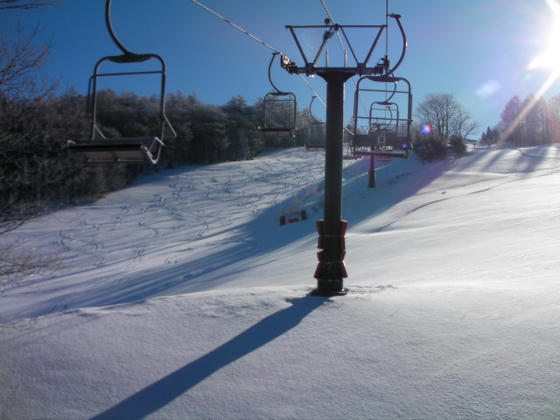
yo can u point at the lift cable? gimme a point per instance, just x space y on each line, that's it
387 27
333 21
321 99
341 42
313 90
260 41
328 12
386 42
236 26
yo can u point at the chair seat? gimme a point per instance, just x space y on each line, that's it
363 140
281 131
125 150
383 153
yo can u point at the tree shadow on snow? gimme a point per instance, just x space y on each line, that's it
248 243
165 390
395 182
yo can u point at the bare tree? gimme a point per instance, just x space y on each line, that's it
446 116
20 59
21 56
21 53
462 124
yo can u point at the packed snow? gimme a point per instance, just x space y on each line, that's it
182 296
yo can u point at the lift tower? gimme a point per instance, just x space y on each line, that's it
331 270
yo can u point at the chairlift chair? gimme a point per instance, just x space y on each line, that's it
386 135
101 149
279 110
382 115
316 131
384 120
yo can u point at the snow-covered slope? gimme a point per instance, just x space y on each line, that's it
183 297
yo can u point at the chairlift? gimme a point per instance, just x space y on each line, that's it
279 109
388 132
102 149
382 124
316 131
381 115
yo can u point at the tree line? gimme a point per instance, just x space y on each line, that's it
529 122
37 168
36 123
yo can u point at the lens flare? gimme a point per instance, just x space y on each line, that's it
426 129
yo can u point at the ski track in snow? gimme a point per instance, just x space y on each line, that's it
182 297
187 209
216 214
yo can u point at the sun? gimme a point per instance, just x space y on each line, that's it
549 58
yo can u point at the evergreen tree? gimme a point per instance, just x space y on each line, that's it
238 126
509 123
457 145
535 122
179 111
553 119
208 126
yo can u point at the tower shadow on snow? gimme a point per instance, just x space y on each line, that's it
170 387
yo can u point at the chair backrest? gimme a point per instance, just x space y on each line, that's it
280 111
316 136
128 58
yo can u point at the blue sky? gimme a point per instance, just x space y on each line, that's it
478 50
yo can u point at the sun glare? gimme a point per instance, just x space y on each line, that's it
549 58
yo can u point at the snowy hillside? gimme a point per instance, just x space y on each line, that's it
183 297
